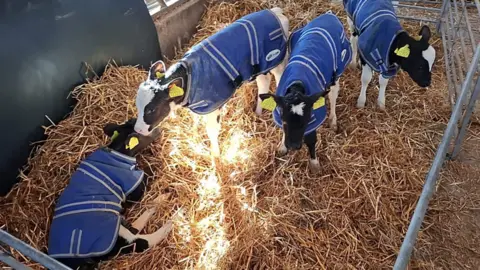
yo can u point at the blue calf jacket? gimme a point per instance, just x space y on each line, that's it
87 217
377 26
218 65
320 52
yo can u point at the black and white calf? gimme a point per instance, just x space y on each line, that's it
211 71
385 47
319 55
87 225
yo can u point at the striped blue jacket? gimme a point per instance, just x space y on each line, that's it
218 65
377 25
86 220
320 52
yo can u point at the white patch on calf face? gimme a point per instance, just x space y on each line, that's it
144 96
298 109
172 69
429 55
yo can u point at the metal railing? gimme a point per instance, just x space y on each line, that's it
459 24
27 250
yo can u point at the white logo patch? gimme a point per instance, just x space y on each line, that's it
298 109
344 52
429 55
272 55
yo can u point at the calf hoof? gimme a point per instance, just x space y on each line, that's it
381 105
333 126
360 104
282 151
258 111
165 230
215 152
314 166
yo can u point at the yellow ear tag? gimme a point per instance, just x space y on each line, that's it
268 104
319 103
132 143
159 75
403 51
115 135
417 38
175 91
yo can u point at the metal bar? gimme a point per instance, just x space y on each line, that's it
469 27
417 7
416 19
451 87
466 120
31 252
10 261
461 31
425 2
442 14
450 45
433 2
477 4
429 186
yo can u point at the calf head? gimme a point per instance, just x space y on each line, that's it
160 94
125 140
415 55
295 109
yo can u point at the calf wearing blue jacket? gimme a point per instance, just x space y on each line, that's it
211 71
385 47
87 226
319 54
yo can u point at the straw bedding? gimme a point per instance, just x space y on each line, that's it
250 209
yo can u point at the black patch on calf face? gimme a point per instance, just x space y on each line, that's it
124 133
295 124
157 109
415 64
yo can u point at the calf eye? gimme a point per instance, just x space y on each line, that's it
149 111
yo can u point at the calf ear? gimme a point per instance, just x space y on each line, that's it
157 70
110 129
317 100
425 33
131 122
270 101
176 88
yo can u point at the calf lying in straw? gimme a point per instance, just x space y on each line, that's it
211 71
319 53
385 47
87 226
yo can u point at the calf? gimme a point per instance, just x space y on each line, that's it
211 71
385 47
319 53
87 225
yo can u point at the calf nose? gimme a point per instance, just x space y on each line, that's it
294 145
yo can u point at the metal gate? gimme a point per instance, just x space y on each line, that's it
458 22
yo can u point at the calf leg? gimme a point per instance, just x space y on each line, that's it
263 84
353 42
381 94
282 149
213 130
278 70
141 221
366 78
311 141
333 95
152 239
